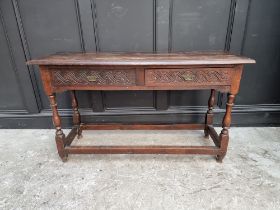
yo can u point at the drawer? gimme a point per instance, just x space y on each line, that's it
185 77
82 77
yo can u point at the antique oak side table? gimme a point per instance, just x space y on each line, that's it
216 71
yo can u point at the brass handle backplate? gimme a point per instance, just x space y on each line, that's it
188 77
92 78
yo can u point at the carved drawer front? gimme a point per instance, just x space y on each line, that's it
93 77
199 76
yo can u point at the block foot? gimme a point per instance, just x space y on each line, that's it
64 158
219 158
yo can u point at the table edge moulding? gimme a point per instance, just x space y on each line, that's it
216 71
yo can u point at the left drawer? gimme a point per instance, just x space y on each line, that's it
96 77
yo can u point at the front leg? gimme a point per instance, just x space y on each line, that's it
59 135
224 136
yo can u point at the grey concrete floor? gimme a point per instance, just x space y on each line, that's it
33 177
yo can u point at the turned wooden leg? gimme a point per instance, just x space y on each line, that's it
59 135
209 114
224 136
76 113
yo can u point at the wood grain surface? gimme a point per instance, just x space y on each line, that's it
193 58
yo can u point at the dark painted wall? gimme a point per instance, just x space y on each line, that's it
29 29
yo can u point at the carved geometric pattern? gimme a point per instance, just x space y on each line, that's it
92 77
192 76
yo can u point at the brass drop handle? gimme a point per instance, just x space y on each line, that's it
188 77
92 78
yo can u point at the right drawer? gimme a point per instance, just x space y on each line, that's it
186 77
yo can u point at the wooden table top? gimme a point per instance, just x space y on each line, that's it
192 58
